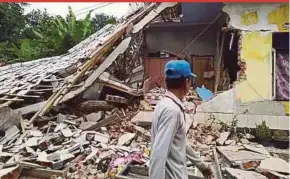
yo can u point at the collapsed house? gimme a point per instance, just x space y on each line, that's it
86 114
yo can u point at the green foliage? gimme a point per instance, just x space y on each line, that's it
263 131
12 21
100 20
279 134
38 34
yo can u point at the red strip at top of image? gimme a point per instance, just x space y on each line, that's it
234 1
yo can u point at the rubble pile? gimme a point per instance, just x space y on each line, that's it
111 137
155 94
87 147
238 155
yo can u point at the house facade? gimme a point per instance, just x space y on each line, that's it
261 88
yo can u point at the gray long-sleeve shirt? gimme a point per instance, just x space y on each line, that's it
169 148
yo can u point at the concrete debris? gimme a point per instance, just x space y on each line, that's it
35 133
143 118
230 142
32 142
8 118
241 155
275 164
94 117
99 137
244 141
67 132
257 148
241 174
223 137
124 139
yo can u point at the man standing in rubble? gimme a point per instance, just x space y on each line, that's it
169 149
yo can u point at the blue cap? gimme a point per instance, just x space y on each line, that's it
177 69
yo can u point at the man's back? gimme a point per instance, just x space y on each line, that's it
168 150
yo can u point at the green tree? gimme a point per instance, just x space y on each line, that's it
39 34
12 23
65 33
100 20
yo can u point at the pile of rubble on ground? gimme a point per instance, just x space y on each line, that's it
106 141
89 146
237 155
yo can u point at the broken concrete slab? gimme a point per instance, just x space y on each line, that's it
8 118
35 133
94 117
92 154
126 138
60 126
230 142
272 108
241 174
10 134
143 118
102 138
87 125
61 118
104 122
223 137
257 148
275 164
66 132
245 141
32 142
241 155
224 102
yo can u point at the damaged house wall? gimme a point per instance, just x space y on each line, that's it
175 38
192 37
251 99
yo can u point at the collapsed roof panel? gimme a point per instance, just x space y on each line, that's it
61 78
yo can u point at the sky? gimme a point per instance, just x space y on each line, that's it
116 9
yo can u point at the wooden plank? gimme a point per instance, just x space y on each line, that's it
41 90
104 122
24 96
147 19
218 173
104 78
43 173
14 99
218 64
100 69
